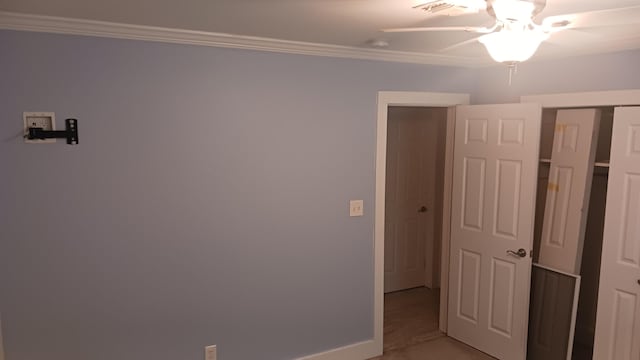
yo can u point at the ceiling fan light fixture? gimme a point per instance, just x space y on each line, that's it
512 46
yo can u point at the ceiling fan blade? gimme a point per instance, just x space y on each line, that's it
598 18
441 28
460 44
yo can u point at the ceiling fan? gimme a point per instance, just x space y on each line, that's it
514 37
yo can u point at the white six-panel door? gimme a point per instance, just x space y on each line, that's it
408 188
570 175
618 317
494 187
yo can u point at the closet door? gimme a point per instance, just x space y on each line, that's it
570 176
494 188
618 318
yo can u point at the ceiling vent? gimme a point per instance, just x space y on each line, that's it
450 7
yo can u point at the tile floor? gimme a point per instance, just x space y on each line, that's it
411 329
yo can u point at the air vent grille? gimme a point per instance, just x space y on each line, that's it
450 7
434 6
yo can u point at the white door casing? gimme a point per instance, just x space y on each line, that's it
385 100
494 186
618 315
446 219
566 208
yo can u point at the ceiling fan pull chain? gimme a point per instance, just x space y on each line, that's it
513 69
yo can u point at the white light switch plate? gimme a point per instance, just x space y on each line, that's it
356 208
210 352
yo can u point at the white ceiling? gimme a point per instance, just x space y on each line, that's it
353 23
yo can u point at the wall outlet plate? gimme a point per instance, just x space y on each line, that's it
210 352
356 208
44 120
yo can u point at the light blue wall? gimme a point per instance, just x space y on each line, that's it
206 203
615 71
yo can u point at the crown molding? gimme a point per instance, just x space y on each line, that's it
70 26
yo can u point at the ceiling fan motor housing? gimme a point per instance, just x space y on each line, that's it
511 11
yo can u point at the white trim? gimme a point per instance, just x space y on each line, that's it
446 220
386 99
574 317
414 98
362 350
61 25
548 268
580 99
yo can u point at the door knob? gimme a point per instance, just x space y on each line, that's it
423 209
520 253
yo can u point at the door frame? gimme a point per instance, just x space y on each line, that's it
416 99
431 99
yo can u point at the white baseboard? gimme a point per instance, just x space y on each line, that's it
358 351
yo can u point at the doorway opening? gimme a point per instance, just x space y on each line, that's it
414 194
386 100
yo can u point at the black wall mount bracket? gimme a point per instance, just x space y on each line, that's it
70 133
